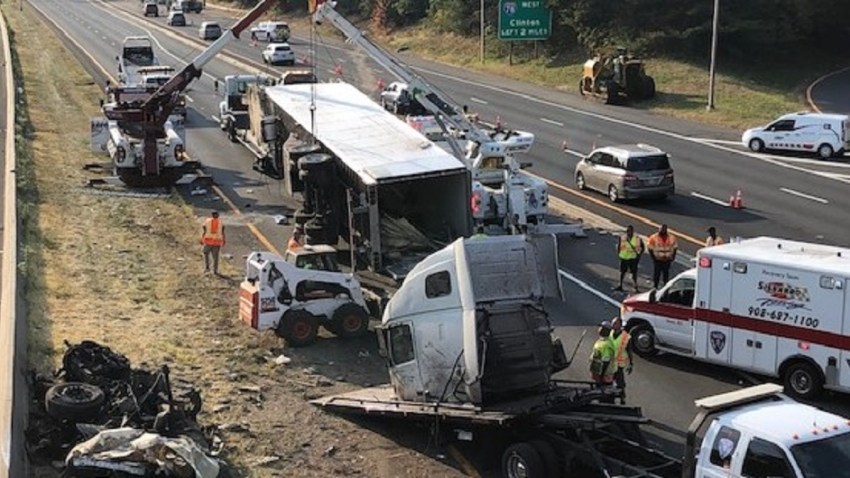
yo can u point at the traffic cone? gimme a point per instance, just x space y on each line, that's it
380 84
736 201
254 42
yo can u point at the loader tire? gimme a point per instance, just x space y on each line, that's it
74 401
612 93
231 132
350 320
299 328
648 88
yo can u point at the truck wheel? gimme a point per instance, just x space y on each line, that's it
521 460
74 401
231 132
643 340
803 380
825 151
549 457
350 320
299 328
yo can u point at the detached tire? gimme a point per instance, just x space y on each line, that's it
350 320
299 328
74 401
521 460
803 380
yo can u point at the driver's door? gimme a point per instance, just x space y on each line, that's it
403 366
676 327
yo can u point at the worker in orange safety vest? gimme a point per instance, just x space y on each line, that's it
622 355
213 240
296 240
713 239
663 248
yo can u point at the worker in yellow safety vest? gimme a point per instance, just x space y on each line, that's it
663 248
602 361
629 249
622 355
479 233
713 239
213 240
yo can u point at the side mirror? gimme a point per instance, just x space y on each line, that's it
525 164
653 296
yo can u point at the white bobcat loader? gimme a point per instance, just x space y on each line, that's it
296 293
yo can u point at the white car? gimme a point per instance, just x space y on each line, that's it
271 32
825 134
279 54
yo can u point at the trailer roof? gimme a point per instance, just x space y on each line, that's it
372 142
787 253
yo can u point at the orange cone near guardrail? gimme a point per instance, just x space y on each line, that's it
380 84
736 201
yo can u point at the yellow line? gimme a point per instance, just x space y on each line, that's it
815 83
619 210
465 465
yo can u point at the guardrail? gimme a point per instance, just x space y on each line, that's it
12 456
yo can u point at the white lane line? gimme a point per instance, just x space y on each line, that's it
804 195
584 285
719 141
476 100
547 120
708 198
215 118
104 38
189 99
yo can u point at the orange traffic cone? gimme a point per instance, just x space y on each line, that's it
380 84
736 201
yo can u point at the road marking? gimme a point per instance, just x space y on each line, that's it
718 141
815 83
804 195
584 285
189 99
575 153
215 118
104 38
547 120
709 199
476 100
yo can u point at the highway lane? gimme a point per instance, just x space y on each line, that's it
781 201
831 93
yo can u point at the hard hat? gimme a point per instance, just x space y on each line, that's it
606 324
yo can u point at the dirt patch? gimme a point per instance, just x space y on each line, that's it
127 272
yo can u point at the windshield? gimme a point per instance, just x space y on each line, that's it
648 163
822 458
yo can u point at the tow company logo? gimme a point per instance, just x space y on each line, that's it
782 294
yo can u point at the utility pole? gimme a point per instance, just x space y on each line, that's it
714 27
481 53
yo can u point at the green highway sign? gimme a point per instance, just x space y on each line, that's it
524 20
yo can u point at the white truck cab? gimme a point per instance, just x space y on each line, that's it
771 306
825 134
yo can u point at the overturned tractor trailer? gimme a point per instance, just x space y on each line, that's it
364 175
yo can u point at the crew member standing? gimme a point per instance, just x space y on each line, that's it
629 249
602 360
713 239
622 355
297 239
213 240
662 247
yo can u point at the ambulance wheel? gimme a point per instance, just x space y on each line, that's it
521 460
802 380
299 328
643 340
350 320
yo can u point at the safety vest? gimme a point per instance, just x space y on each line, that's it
662 248
629 248
603 351
620 344
212 232
713 242
293 244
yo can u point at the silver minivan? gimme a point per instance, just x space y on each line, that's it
627 172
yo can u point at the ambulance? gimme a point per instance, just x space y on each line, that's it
770 306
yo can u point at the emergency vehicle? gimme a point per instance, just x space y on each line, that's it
771 306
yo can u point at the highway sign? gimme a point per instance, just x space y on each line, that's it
524 20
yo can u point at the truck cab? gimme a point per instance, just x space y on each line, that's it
233 111
136 52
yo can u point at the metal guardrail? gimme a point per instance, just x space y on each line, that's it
11 449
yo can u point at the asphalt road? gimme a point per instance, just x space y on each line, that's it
830 92
706 161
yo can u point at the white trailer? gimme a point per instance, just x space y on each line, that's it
771 306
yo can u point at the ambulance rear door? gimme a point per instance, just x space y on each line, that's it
713 334
753 342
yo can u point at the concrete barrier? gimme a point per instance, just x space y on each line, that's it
12 400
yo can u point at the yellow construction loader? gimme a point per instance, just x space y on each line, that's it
616 78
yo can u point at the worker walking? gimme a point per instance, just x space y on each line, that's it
602 360
663 248
622 355
629 249
213 240
297 239
713 239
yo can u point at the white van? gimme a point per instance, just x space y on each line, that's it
825 134
271 32
771 306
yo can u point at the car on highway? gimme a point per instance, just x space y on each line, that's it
272 31
279 54
150 9
826 135
176 18
397 98
627 171
209 31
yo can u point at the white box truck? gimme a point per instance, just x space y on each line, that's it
771 306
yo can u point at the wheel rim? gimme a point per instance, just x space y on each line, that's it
351 323
301 330
580 181
517 467
77 394
612 193
825 151
801 382
644 341
755 145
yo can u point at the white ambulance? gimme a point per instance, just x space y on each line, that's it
770 306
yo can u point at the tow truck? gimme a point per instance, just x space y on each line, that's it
503 196
468 345
139 129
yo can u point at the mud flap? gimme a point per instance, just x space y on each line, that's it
99 134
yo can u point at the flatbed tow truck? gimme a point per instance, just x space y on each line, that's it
470 351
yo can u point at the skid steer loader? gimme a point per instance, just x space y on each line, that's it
616 79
